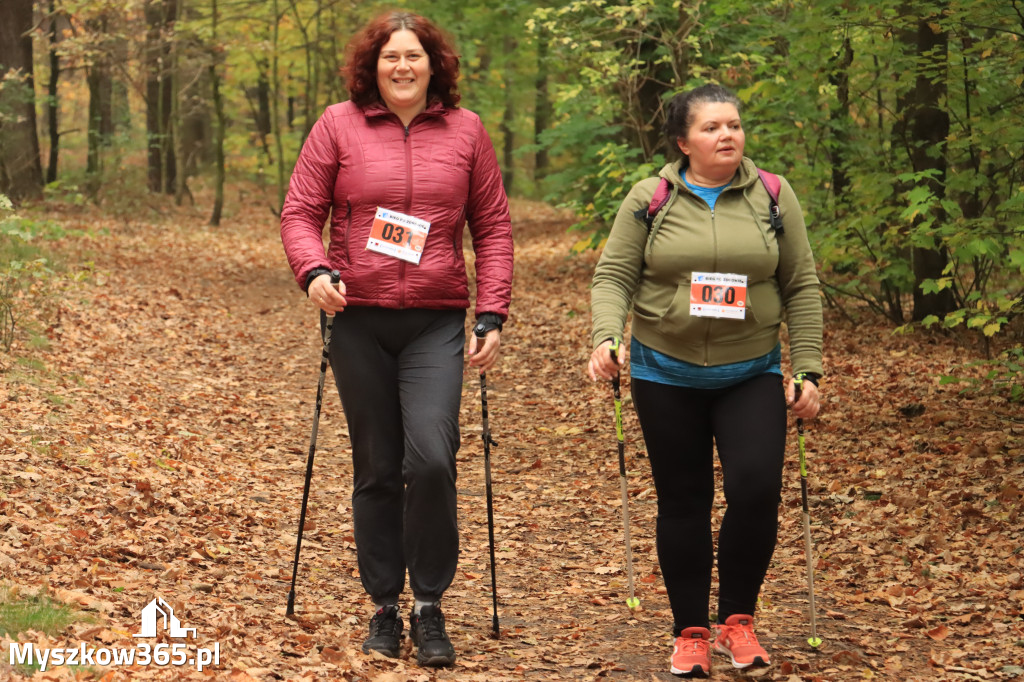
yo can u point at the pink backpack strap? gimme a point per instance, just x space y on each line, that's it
661 195
660 198
773 185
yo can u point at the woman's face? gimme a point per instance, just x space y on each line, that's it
714 142
403 73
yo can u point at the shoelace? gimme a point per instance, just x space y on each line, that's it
694 645
433 626
741 632
385 621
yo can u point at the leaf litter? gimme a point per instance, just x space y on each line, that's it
160 451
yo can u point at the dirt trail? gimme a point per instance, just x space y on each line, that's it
161 451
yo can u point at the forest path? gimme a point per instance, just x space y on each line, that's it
161 450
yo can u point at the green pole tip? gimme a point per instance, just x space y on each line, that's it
633 603
814 642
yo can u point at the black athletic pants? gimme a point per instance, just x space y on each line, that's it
399 375
681 427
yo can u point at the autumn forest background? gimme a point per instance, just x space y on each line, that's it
158 364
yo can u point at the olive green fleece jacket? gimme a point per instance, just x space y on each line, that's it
649 272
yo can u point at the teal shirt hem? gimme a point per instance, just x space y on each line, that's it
651 365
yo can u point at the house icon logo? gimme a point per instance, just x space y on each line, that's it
156 611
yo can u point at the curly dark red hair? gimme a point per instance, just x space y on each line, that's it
360 70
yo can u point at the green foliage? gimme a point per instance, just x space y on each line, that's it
619 62
15 91
26 269
39 613
618 167
831 90
834 96
13 250
1004 374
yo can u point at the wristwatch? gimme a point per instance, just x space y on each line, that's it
485 323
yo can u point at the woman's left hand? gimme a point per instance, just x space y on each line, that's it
808 404
483 353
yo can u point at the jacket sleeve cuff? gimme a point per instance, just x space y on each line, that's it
809 376
313 274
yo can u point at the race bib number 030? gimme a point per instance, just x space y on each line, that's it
715 294
399 235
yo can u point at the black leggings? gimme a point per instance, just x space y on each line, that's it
681 426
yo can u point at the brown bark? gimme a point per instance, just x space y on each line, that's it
21 174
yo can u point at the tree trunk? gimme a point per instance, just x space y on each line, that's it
21 173
263 100
839 118
642 94
507 119
928 129
51 105
218 126
159 58
260 108
275 112
971 204
101 107
541 108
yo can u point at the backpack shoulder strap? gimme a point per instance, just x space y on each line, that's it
663 192
658 201
773 185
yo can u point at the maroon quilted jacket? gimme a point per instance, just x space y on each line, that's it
441 169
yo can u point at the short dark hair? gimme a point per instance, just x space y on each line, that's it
682 109
360 68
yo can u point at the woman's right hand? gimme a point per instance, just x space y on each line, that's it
603 364
326 296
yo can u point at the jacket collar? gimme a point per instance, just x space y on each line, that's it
746 174
378 109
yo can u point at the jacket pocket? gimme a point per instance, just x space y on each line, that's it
676 319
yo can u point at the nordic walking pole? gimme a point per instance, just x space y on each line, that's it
632 602
488 442
814 640
335 279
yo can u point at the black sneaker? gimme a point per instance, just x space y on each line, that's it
385 632
427 632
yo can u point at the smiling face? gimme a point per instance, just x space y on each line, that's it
403 74
714 143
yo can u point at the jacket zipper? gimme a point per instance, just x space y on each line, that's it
714 243
406 209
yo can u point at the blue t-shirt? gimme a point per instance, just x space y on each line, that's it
651 365
708 194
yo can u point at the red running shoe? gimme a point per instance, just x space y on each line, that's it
691 656
736 639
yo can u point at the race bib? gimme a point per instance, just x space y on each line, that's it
715 294
399 235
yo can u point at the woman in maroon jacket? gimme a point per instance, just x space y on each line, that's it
400 169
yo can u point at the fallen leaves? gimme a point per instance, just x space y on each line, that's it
162 449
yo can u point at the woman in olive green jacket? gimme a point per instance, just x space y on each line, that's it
709 284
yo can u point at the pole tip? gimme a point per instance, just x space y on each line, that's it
633 603
290 610
814 642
